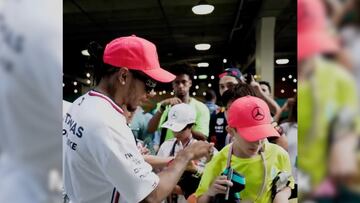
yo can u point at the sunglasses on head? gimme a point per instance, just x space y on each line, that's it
150 84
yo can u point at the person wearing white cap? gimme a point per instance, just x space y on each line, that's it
181 119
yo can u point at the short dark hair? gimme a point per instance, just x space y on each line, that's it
210 94
183 68
266 83
239 90
188 126
101 69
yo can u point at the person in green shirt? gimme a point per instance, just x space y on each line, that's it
264 168
326 92
181 86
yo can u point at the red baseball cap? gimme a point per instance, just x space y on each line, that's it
313 31
138 54
251 118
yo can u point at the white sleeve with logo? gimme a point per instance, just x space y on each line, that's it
117 155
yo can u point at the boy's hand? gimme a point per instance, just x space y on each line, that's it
219 186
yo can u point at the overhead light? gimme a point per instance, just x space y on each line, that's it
224 60
255 76
283 79
85 52
202 47
282 91
88 75
202 77
160 93
88 82
294 80
203 64
197 87
204 93
290 76
63 84
203 8
209 85
164 92
75 91
212 77
194 93
295 90
282 61
75 83
195 77
172 93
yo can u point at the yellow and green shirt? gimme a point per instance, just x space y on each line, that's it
319 100
276 160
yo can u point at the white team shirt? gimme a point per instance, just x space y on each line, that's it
101 162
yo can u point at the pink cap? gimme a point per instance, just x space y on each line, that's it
313 32
251 118
138 54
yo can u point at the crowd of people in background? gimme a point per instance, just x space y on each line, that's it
176 122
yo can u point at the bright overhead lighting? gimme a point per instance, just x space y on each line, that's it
212 77
294 80
202 77
224 60
282 61
283 79
75 83
290 76
204 93
75 91
282 91
172 93
203 64
209 85
164 92
88 75
160 93
88 82
203 8
85 52
295 90
195 77
194 93
197 87
202 47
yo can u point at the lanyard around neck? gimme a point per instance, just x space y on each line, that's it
228 165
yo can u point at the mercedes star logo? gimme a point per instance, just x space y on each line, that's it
258 114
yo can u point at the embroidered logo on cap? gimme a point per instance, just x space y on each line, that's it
258 114
174 115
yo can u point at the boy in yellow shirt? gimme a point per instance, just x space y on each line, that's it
262 170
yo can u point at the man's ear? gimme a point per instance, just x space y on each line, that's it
123 76
190 82
230 130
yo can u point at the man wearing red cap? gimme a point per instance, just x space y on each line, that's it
264 171
101 162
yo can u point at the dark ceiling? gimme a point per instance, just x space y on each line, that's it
172 26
